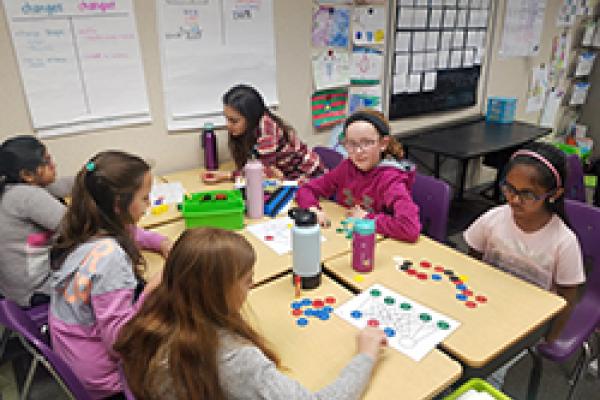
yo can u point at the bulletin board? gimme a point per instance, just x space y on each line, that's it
438 49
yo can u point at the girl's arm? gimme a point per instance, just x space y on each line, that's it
42 208
112 294
324 186
248 373
570 294
403 224
149 240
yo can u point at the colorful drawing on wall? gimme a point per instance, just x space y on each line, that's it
367 66
329 107
331 26
330 68
368 25
365 97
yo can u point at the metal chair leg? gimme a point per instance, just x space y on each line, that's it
579 369
4 340
535 375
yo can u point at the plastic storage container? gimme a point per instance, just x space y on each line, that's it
216 208
501 110
479 385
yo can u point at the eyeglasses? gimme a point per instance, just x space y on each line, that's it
363 145
525 196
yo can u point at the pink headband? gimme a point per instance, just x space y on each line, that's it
541 159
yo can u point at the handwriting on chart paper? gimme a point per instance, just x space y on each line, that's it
190 29
245 9
64 54
97 5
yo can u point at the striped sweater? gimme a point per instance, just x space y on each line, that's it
292 157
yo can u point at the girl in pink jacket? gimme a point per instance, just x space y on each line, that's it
374 182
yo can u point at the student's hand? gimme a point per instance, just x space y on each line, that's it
274 173
357 212
322 218
212 177
370 340
153 283
165 247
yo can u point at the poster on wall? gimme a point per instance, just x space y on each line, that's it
207 47
523 23
367 66
365 97
330 68
368 25
331 26
73 58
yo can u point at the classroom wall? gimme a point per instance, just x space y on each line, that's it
168 151
589 112
181 150
510 76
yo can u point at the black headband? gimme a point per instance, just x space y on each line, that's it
377 122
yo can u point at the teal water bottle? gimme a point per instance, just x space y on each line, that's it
363 245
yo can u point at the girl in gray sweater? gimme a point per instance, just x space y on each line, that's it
30 212
189 340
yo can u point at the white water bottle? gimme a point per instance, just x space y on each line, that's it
306 248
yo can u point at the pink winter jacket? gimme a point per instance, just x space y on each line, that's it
384 192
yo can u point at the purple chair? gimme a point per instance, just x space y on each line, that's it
585 316
433 198
126 390
39 316
330 157
16 319
574 185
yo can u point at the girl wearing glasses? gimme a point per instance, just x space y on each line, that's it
529 236
374 182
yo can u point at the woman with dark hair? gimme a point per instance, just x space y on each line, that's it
254 129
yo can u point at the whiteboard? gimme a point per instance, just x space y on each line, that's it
207 46
79 62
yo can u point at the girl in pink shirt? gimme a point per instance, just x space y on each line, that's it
374 182
529 236
97 266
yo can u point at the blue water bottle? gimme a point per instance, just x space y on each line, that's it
306 248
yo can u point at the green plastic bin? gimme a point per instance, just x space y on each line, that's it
216 208
481 386
570 149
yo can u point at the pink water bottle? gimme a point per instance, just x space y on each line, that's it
255 201
363 245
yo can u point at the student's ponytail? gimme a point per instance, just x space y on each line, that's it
102 193
394 149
